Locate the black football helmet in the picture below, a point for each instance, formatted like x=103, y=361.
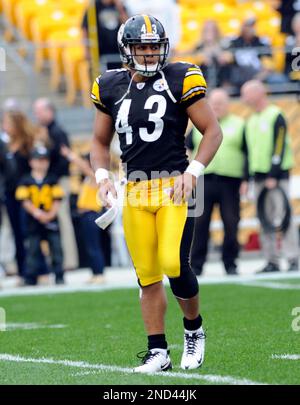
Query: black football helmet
x=143, y=29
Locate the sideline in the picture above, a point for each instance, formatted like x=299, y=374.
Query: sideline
x=130, y=282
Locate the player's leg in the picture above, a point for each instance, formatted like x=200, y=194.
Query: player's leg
x=175, y=230
x=141, y=238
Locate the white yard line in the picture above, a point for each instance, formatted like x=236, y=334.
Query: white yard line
x=217, y=379
x=286, y=356
x=30, y=326
x=272, y=285
x=238, y=280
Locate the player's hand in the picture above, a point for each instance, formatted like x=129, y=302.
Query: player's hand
x=106, y=186
x=270, y=183
x=183, y=187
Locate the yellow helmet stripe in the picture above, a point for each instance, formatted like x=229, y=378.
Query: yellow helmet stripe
x=148, y=24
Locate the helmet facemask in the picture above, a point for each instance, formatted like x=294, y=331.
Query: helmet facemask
x=129, y=53
x=149, y=69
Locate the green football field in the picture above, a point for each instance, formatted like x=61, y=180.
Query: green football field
x=253, y=337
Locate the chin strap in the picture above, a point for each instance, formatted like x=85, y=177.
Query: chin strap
x=168, y=90
x=128, y=89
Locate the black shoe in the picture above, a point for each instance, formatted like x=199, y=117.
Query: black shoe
x=59, y=281
x=28, y=281
x=294, y=265
x=269, y=268
x=231, y=271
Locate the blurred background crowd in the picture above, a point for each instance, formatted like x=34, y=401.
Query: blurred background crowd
x=53, y=50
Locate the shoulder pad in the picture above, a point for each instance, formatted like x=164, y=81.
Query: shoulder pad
x=102, y=87
x=188, y=79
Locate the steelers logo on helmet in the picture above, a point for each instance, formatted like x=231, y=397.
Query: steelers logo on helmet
x=143, y=30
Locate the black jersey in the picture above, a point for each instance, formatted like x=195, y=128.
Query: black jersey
x=150, y=117
x=42, y=194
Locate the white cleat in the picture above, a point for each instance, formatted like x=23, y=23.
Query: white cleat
x=154, y=361
x=194, y=347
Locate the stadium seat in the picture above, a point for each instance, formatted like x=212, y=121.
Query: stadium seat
x=268, y=27
x=217, y=11
x=257, y=9
x=42, y=26
x=25, y=11
x=76, y=75
x=230, y=27
x=85, y=83
x=58, y=41
x=8, y=8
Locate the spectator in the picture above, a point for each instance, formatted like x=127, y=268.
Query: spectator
x=252, y=57
x=222, y=181
x=40, y=196
x=292, y=42
x=45, y=113
x=20, y=133
x=90, y=210
x=287, y=9
x=3, y=160
x=212, y=57
x=6, y=168
x=270, y=160
x=110, y=15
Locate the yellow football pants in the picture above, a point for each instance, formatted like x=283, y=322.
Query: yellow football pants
x=154, y=229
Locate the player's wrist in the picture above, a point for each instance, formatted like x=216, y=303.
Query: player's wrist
x=195, y=168
x=101, y=175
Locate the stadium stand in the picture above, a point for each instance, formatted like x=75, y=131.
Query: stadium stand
x=51, y=26
x=53, y=29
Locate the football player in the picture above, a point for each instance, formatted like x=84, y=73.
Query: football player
x=148, y=103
